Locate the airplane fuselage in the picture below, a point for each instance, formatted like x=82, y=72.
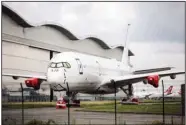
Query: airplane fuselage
x=83, y=73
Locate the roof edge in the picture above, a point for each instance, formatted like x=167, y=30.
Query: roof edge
x=22, y=22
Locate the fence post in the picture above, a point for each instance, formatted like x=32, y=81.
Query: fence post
x=113, y=82
x=183, y=102
x=22, y=104
x=172, y=120
x=68, y=104
x=115, y=104
x=163, y=103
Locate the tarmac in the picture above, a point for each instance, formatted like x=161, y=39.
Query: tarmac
x=60, y=116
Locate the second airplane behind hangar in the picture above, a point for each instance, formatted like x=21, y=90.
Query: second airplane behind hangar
x=81, y=73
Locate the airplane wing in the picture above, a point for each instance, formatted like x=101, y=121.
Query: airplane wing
x=152, y=70
x=16, y=76
x=131, y=79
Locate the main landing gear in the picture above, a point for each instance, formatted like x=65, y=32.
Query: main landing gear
x=128, y=90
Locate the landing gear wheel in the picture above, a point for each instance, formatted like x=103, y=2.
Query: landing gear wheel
x=73, y=101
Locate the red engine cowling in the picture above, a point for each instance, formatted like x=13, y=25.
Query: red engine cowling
x=153, y=80
x=33, y=82
x=135, y=100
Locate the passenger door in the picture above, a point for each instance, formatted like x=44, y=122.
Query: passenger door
x=80, y=66
x=99, y=68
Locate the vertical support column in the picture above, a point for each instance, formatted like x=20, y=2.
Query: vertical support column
x=130, y=88
x=51, y=90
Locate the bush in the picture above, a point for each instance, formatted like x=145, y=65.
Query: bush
x=39, y=122
x=35, y=122
x=8, y=121
x=11, y=121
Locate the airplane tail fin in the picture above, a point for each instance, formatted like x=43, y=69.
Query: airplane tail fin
x=125, y=55
x=169, y=90
x=179, y=92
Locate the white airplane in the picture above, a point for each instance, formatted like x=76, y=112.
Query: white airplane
x=81, y=73
x=158, y=95
x=143, y=94
x=175, y=94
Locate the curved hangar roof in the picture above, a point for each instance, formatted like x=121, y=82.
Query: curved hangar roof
x=20, y=21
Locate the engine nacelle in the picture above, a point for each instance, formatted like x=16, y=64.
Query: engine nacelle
x=134, y=100
x=173, y=76
x=152, y=80
x=145, y=81
x=33, y=82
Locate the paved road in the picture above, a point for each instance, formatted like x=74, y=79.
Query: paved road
x=61, y=116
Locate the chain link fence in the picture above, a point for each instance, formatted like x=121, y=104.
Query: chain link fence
x=35, y=109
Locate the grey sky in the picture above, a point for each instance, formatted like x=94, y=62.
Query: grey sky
x=156, y=34
x=151, y=21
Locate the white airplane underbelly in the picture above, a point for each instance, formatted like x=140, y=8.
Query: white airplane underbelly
x=75, y=83
x=81, y=83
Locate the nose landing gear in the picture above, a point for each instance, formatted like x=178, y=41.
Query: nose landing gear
x=73, y=101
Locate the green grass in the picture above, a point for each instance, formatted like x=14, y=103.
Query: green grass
x=159, y=101
x=97, y=103
x=153, y=108
x=106, y=106
x=18, y=105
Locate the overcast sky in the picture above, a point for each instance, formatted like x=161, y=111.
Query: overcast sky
x=156, y=35
x=150, y=21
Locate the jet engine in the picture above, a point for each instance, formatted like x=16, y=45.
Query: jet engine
x=173, y=76
x=33, y=82
x=152, y=80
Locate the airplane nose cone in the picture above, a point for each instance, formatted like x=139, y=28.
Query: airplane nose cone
x=57, y=79
x=55, y=76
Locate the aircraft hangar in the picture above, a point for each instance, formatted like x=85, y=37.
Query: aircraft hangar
x=27, y=49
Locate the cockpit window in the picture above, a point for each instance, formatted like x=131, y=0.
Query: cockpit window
x=65, y=64
x=59, y=65
x=68, y=65
x=53, y=65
